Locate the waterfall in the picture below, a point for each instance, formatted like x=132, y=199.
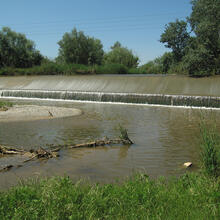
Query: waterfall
x=136, y=98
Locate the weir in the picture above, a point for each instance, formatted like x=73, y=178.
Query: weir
x=158, y=90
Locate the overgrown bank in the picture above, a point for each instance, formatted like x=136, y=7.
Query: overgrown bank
x=53, y=68
x=192, y=196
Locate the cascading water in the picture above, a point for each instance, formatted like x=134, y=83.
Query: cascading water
x=156, y=99
x=158, y=90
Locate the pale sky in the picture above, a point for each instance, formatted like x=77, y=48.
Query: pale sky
x=137, y=24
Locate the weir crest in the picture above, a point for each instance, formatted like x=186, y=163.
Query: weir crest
x=136, y=98
x=138, y=89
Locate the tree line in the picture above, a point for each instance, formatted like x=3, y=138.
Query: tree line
x=16, y=51
x=194, y=44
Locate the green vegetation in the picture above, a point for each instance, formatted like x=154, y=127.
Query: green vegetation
x=54, y=68
x=77, y=48
x=192, y=196
x=197, y=55
x=17, y=51
x=121, y=55
x=210, y=154
x=195, y=52
x=5, y=104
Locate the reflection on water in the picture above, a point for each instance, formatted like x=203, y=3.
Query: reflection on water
x=164, y=139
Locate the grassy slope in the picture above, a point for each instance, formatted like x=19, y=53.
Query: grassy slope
x=193, y=196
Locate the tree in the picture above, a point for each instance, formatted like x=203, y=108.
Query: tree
x=16, y=50
x=205, y=23
x=176, y=37
x=199, y=61
x=75, y=47
x=116, y=45
x=121, y=55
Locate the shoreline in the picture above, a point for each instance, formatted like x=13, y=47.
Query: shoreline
x=34, y=112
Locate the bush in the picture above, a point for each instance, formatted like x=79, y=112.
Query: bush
x=152, y=67
x=121, y=55
x=210, y=149
x=111, y=69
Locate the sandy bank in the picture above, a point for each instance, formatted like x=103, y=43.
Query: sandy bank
x=33, y=112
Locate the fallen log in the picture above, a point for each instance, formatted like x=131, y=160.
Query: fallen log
x=42, y=153
x=3, y=109
x=10, y=150
x=6, y=168
x=103, y=142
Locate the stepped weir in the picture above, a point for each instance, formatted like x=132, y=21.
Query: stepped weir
x=157, y=90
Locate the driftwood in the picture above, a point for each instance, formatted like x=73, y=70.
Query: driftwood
x=103, y=142
x=10, y=150
x=6, y=168
x=41, y=153
x=123, y=139
x=3, y=109
x=32, y=154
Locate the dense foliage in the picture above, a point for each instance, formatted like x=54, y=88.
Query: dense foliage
x=192, y=196
x=16, y=50
x=176, y=37
x=77, y=48
x=121, y=55
x=54, y=68
x=197, y=55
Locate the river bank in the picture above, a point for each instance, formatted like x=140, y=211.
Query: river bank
x=192, y=196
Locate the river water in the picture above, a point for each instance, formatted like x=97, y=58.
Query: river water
x=164, y=138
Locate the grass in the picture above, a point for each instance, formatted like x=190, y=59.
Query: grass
x=210, y=152
x=192, y=196
x=5, y=104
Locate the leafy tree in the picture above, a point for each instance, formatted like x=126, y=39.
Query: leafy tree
x=76, y=47
x=152, y=67
x=166, y=61
x=121, y=55
x=116, y=45
x=205, y=23
x=199, y=61
x=16, y=50
x=176, y=37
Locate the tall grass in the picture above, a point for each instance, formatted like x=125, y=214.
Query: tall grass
x=192, y=196
x=210, y=149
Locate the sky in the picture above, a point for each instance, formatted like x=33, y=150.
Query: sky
x=136, y=24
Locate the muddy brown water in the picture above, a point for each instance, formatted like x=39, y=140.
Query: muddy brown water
x=164, y=137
